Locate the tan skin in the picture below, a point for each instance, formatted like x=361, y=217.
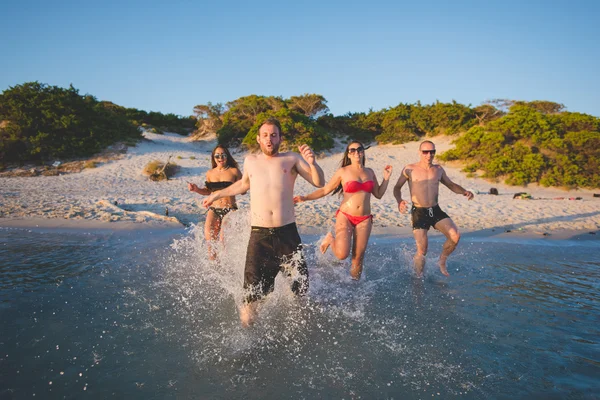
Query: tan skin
x=212, y=225
x=270, y=177
x=356, y=204
x=424, y=179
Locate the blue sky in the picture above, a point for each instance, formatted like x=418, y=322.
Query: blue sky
x=169, y=56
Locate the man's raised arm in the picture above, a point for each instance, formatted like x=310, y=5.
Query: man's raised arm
x=308, y=168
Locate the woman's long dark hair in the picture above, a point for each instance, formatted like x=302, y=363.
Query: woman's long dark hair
x=230, y=161
x=346, y=161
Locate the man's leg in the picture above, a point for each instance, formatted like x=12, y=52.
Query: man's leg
x=248, y=313
x=449, y=229
x=421, y=241
x=259, y=274
x=293, y=263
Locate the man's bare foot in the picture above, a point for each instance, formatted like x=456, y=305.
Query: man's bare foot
x=443, y=268
x=326, y=242
x=419, y=265
x=247, y=315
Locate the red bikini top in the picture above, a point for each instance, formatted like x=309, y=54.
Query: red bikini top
x=356, y=186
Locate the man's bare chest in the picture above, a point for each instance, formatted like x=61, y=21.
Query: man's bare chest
x=421, y=175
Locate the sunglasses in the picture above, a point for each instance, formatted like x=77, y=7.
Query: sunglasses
x=221, y=156
x=432, y=152
x=356, y=150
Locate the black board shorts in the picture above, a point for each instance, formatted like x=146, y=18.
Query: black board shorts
x=270, y=251
x=426, y=217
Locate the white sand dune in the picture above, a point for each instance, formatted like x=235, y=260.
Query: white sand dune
x=118, y=191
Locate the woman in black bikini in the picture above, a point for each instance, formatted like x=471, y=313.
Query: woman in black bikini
x=353, y=218
x=224, y=172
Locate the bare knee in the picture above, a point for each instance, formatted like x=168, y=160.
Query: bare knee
x=342, y=254
x=454, y=236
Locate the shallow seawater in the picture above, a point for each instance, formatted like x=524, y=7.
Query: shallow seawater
x=145, y=314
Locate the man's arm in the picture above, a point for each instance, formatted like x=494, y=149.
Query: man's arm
x=308, y=168
x=324, y=191
x=398, y=190
x=238, y=187
x=398, y=186
x=455, y=187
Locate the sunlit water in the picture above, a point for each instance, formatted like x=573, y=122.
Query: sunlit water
x=145, y=314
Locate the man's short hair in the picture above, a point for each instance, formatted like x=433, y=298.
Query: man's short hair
x=426, y=141
x=272, y=121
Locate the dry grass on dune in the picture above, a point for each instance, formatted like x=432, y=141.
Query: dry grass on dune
x=157, y=170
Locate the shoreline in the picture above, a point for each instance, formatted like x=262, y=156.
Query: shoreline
x=399, y=232
x=84, y=225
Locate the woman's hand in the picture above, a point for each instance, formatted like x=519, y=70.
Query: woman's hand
x=387, y=172
x=299, y=199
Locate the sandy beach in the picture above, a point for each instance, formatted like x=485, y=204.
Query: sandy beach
x=116, y=195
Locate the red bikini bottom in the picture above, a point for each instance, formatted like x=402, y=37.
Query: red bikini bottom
x=354, y=219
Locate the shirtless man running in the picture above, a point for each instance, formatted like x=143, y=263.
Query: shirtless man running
x=424, y=182
x=274, y=239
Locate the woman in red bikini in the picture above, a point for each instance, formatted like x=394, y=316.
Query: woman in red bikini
x=224, y=172
x=353, y=218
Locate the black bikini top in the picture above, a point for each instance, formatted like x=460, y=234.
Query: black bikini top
x=214, y=186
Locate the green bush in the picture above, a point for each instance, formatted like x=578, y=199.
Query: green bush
x=42, y=122
x=359, y=126
x=163, y=122
x=297, y=129
x=535, y=143
x=473, y=167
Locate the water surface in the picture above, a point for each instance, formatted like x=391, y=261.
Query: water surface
x=144, y=314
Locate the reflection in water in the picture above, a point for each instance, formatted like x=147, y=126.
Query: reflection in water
x=146, y=314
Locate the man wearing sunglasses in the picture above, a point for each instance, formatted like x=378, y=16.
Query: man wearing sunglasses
x=424, y=179
x=274, y=244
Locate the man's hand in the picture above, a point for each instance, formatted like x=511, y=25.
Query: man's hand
x=208, y=201
x=307, y=154
x=402, y=207
x=468, y=194
x=387, y=172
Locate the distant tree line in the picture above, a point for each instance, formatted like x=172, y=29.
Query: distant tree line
x=516, y=141
x=159, y=121
x=237, y=122
x=39, y=122
x=306, y=120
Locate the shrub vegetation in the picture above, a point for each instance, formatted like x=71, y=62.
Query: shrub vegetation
x=39, y=122
x=534, y=142
x=520, y=142
x=158, y=170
